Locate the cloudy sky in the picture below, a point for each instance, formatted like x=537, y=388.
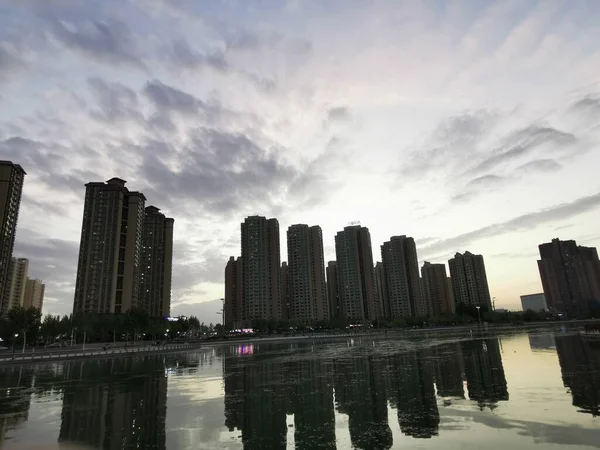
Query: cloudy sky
x=469, y=125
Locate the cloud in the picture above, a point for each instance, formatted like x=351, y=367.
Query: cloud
x=540, y=165
x=486, y=181
x=520, y=223
x=452, y=144
x=10, y=61
x=115, y=100
x=42, y=155
x=181, y=55
x=221, y=171
x=588, y=104
x=169, y=98
x=106, y=41
x=525, y=141
x=338, y=113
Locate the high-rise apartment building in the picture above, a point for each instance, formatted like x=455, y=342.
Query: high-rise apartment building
x=233, y=293
x=157, y=263
x=307, y=287
x=285, y=291
x=16, y=283
x=570, y=277
x=110, y=252
x=356, y=274
x=34, y=294
x=12, y=177
x=384, y=305
x=333, y=297
x=402, y=279
x=436, y=288
x=469, y=280
x=261, y=270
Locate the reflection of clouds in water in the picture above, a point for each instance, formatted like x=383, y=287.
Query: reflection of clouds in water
x=550, y=433
x=198, y=424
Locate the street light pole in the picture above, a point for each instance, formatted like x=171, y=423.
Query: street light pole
x=493, y=303
x=479, y=315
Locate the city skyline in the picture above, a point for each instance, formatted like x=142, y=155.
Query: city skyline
x=487, y=144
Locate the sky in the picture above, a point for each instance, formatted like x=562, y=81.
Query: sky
x=468, y=125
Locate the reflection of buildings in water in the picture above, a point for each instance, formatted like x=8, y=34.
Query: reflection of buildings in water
x=413, y=394
x=541, y=341
x=314, y=415
x=448, y=370
x=360, y=393
x=486, y=381
x=254, y=402
x=580, y=366
x=15, y=398
x=114, y=404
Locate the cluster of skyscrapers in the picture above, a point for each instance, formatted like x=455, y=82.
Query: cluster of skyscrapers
x=16, y=288
x=303, y=290
x=125, y=254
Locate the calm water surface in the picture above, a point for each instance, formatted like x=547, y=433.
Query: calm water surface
x=529, y=391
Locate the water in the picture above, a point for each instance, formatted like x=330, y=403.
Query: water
x=527, y=391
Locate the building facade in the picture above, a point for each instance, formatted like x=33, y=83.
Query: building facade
x=285, y=291
x=333, y=297
x=357, y=288
x=402, y=279
x=12, y=177
x=384, y=304
x=34, y=294
x=157, y=263
x=534, y=302
x=570, y=276
x=16, y=283
x=469, y=280
x=233, y=293
x=110, y=252
x=437, y=288
x=307, y=287
x=261, y=269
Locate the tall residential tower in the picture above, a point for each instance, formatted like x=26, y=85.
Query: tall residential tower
x=110, y=252
x=157, y=262
x=469, y=280
x=436, y=288
x=356, y=274
x=16, y=282
x=570, y=276
x=261, y=269
x=402, y=280
x=12, y=177
x=307, y=287
x=233, y=293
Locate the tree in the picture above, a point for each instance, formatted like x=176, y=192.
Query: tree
x=25, y=321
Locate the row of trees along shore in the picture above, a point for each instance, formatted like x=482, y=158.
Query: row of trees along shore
x=27, y=327
x=464, y=315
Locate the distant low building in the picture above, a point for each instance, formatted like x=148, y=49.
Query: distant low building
x=534, y=302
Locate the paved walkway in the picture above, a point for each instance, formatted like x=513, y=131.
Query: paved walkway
x=81, y=353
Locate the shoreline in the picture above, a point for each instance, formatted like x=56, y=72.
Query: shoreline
x=8, y=359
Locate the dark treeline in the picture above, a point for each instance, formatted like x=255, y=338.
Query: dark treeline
x=27, y=326
x=464, y=315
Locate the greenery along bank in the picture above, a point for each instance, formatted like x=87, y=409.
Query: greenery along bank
x=21, y=326
x=26, y=326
